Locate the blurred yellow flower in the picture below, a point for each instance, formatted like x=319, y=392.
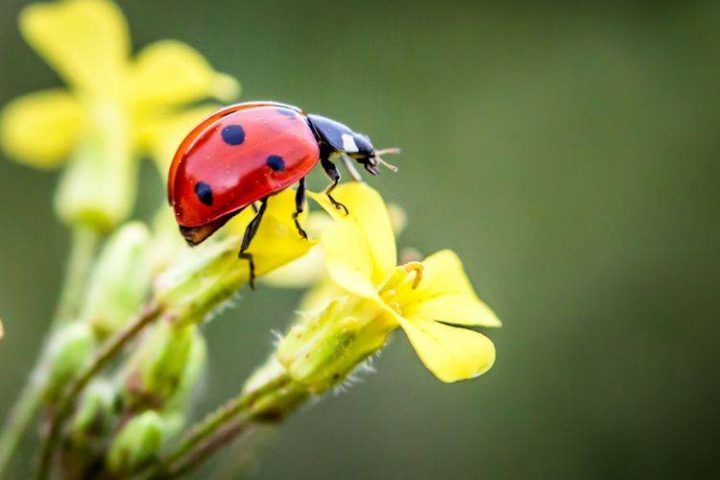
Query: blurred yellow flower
x=116, y=109
x=423, y=298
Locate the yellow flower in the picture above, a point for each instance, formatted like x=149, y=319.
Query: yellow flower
x=432, y=301
x=116, y=109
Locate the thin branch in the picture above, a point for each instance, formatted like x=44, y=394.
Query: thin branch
x=204, y=451
x=217, y=428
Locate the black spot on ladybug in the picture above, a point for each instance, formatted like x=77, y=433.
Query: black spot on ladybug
x=275, y=162
x=204, y=193
x=287, y=112
x=233, y=135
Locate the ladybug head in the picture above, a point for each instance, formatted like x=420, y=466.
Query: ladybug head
x=369, y=158
x=355, y=145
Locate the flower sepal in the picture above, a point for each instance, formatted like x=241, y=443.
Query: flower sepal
x=320, y=351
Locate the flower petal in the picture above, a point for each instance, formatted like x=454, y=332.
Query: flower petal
x=445, y=294
x=450, y=353
x=348, y=258
x=41, y=129
x=170, y=72
x=86, y=41
x=299, y=273
x=277, y=240
x=455, y=309
x=370, y=216
x=308, y=269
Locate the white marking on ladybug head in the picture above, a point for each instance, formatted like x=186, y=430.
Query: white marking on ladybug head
x=349, y=144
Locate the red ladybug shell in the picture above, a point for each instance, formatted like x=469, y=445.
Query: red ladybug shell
x=237, y=156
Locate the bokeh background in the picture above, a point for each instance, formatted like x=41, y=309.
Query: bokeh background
x=569, y=154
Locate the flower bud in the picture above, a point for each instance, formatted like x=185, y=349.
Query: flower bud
x=69, y=352
x=203, y=280
x=120, y=280
x=97, y=188
x=137, y=443
x=91, y=422
x=320, y=351
x=165, y=368
x=94, y=411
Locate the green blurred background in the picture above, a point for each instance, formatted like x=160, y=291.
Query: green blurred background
x=568, y=153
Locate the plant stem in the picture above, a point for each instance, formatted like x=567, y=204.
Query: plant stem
x=204, y=451
x=106, y=353
x=216, y=429
x=82, y=253
x=84, y=244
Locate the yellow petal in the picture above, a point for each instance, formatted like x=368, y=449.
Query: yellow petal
x=170, y=72
x=450, y=353
x=41, y=128
x=308, y=269
x=299, y=273
x=370, y=215
x=161, y=134
x=445, y=294
x=86, y=41
x=348, y=258
x=277, y=241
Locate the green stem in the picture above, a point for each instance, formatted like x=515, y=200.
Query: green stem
x=106, y=353
x=242, y=427
x=82, y=252
x=219, y=427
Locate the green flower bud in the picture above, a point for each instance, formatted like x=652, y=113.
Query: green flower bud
x=69, y=352
x=137, y=444
x=97, y=189
x=320, y=351
x=94, y=412
x=165, y=368
x=207, y=277
x=91, y=422
x=120, y=280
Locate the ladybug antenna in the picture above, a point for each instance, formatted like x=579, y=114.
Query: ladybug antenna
x=387, y=151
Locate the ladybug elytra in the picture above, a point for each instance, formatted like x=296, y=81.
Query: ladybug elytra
x=247, y=152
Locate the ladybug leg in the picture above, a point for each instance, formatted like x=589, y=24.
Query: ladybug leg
x=332, y=171
x=299, y=207
x=250, y=232
x=351, y=168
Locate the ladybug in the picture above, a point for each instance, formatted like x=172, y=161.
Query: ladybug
x=245, y=153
